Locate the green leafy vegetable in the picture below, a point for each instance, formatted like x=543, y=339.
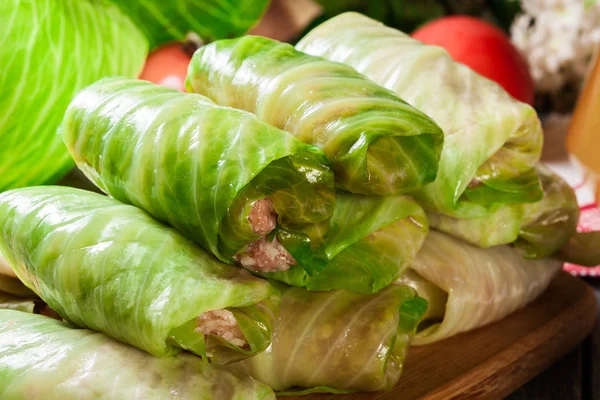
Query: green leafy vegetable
x=376, y=143
x=402, y=14
x=372, y=241
x=583, y=248
x=110, y=267
x=50, y=50
x=489, y=189
x=551, y=222
x=338, y=341
x=407, y=15
x=45, y=359
x=498, y=227
x=200, y=167
x=492, y=142
x=468, y=287
x=540, y=229
x=164, y=21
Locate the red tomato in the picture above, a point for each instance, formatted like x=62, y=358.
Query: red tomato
x=167, y=66
x=484, y=48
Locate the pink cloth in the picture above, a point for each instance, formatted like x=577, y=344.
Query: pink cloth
x=584, y=185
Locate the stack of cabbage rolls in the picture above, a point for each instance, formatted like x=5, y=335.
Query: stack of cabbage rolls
x=292, y=224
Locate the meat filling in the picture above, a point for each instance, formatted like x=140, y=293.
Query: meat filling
x=263, y=217
x=264, y=256
x=221, y=323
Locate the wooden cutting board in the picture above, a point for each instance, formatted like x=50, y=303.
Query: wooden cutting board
x=493, y=361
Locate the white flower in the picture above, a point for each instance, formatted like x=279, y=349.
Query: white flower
x=558, y=38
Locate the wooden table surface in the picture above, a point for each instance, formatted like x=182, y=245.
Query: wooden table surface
x=574, y=377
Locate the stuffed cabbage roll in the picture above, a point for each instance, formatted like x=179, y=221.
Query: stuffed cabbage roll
x=107, y=266
x=492, y=142
x=540, y=229
x=376, y=142
x=468, y=287
x=45, y=359
x=242, y=189
x=338, y=341
x=371, y=242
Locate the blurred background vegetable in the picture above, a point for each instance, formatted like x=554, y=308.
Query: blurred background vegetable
x=168, y=65
x=168, y=20
x=49, y=50
x=484, y=48
x=407, y=15
x=556, y=38
x=52, y=49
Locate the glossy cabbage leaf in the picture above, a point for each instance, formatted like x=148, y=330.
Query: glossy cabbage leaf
x=401, y=14
x=371, y=242
x=338, y=341
x=583, y=248
x=45, y=359
x=202, y=168
x=110, y=267
x=539, y=229
x=50, y=50
x=550, y=223
x=492, y=142
x=468, y=287
x=376, y=142
x=169, y=20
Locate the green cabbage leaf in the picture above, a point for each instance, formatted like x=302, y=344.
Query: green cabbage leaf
x=163, y=21
x=110, y=267
x=46, y=359
x=338, y=341
x=468, y=287
x=50, y=50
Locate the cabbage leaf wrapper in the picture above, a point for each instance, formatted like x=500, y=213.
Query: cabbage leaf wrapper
x=492, y=142
x=490, y=189
x=468, y=287
x=540, y=229
x=371, y=242
x=242, y=189
x=45, y=359
x=50, y=50
x=338, y=341
x=110, y=267
x=375, y=141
